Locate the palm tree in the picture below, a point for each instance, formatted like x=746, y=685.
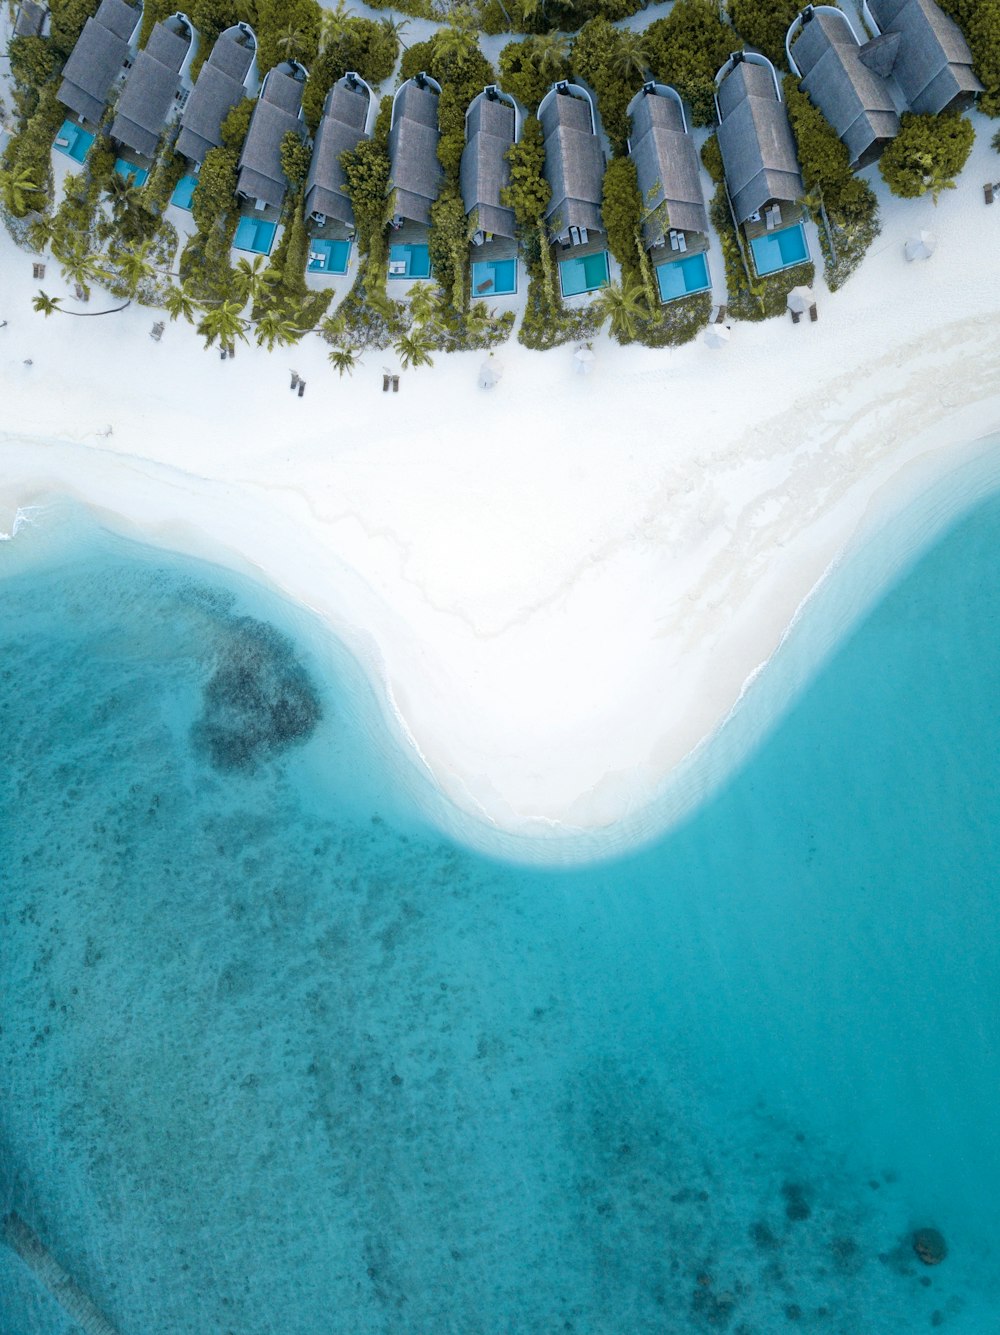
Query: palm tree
x=80, y=267
x=41, y=231
x=252, y=277
x=549, y=54
x=45, y=304
x=331, y=25
x=457, y=39
x=414, y=349
x=395, y=29
x=630, y=58
x=178, y=302
x=423, y=303
x=292, y=40
x=276, y=326
x=16, y=189
x=223, y=322
x=134, y=267
x=344, y=360
x=624, y=307
x=122, y=192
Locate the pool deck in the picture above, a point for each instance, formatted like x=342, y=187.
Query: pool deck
x=790, y=215
x=696, y=243
x=493, y=252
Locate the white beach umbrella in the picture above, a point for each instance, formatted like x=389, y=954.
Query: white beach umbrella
x=583, y=358
x=717, y=336
x=490, y=372
x=920, y=247
x=800, y=299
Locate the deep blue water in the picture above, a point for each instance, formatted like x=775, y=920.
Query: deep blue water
x=277, y=1057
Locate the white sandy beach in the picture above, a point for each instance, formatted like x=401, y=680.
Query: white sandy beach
x=564, y=583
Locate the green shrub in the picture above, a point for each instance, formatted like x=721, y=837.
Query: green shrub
x=30, y=152
x=765, y=25
x=621, y=209
x=287, y=30
x=68, y=18
x=295, y=158
x=529, y=68
x=367, y=46
x=927, y=154
x=711, y=157
x=687, y=49
x=980, y=20
x=596, y=58
x=528, y=192
x=32, y=61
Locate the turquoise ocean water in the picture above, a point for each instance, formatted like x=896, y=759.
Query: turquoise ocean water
x=277, y=1058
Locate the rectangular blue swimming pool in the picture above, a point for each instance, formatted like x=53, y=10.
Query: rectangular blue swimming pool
x=255, y=235
x=679, y=278
x=73, y=140
x=779, y=250
x=328, y=256
x=583, y=275
x=184, y=192
x=133, y=174
x=494, y=278
x=409, y=261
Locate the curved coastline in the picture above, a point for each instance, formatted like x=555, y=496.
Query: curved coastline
x=565, y=590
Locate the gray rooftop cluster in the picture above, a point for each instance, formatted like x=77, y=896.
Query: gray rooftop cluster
x=98, y=58
x=344, y=125
x=415, y=174
x=490, y=130
x=919, y=61
x=278, y=111
x=925, y=53
x=153, y=83
x=666, y=164
x=758, y=150
x=574, y=161
x=221, y=85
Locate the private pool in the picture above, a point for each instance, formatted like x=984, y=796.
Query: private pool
x=256, y=235
x=494, y=278
x=779, y=250
x=583, y=275
x=184, y=192
x=679, y=278
x=409, y=261
x=133, y=174
x=73, y=140
x=328, y=256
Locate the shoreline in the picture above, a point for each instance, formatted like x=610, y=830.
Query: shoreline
x=565, y=585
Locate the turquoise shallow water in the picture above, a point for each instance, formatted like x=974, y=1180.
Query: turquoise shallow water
x=277, y=1057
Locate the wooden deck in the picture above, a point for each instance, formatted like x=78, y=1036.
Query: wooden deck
x=790, y=215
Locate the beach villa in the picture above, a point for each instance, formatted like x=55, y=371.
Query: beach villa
x=830, y=61
x=260, y=180
x=492, y=126
x=762, y=173
x=229, y=75
x=155, y=90
x=668, y=170
x=415, y=174
x=347, y=116
x=574, y=169
x=924, y=52
x=103, y=52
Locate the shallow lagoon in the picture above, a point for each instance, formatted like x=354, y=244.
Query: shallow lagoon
x=277, y=1057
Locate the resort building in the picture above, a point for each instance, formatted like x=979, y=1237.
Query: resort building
x=260, y=178
x=347, y=114
x=229, y=75
x=32, y=20
x=758, y=157
x=492, y=126
x=668, y=171
x=102, y=53
x=574, y=169
x=828, y=57
x=156, y=86
x=923, y=51
x=415, y=174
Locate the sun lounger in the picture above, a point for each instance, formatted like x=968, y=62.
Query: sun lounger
x=62, y=143
x=988, y=192
x=385, y=384
x=719, y=314
x=395, y=384
x=796, y=316
x=769, y=221
x=813, y=313
x=485, y=285
x=681, y=241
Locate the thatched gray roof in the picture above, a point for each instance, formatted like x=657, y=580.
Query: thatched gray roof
x=414, y=171
x=758, y=151
x=485, y=171
x=148, y=96
x=345, y=115
x=574, y=165
x=219, y=88
x=667, y=167
x=30, y=19
x=97, y=59
x=933, y=64
x=260, y=175
x=856, y=102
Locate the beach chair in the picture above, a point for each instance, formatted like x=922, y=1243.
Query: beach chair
x=385, y=383
x=813, y=313
x=395, y=384
x=796, y=316
x=682, y=244
x=302, y=388
x=38, y=271
x=769, y=221
x=988, y=192
x=62, y=143
x=721, y=313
